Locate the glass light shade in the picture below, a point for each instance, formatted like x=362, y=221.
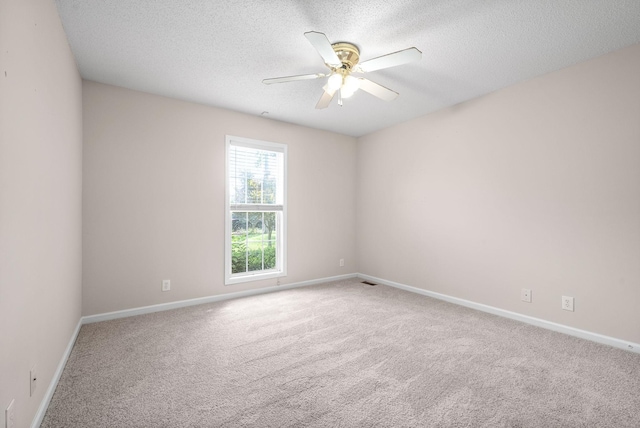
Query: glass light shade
x=350, y=86
x=334, y=82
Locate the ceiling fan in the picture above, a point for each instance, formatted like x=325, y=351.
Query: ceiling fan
x=342, y=59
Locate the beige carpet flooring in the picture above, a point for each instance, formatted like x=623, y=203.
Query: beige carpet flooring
x=340, y=354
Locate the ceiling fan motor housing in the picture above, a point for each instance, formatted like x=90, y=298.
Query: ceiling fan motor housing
x=348, y=53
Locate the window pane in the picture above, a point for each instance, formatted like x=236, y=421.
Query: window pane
x=254, y=191
x=269, y=190
x=270, y=255
x=255, y=223
x=238, y=190
x=255, y=175
x=238, y=221
x=238, y=255
x=270, y=224
x=254, y=241
x=255, y=260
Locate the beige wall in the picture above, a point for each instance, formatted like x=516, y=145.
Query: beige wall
x=40, y=206
x=534, y=186
x=153, y=198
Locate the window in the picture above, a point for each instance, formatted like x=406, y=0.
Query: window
x=255, y=210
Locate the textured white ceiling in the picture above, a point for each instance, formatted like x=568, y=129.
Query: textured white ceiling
x=218, y=52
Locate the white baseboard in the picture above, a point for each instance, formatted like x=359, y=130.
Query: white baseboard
x=209, y=299
x=571, y=331
x=48, y=395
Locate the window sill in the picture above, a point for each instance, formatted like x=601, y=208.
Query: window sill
x=255, y=277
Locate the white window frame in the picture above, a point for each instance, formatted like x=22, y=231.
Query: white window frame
x=281, y=227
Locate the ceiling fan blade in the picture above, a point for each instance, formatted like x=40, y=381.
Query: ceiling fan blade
x=377, y=90
x=326, y=98
x=390, y=60
x=323, y=46
x=293, y=78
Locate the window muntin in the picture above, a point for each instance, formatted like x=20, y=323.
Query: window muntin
x=255, y=215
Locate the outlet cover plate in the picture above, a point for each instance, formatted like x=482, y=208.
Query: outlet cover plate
x=166, y=284
x=525, y=295
x=567, y=303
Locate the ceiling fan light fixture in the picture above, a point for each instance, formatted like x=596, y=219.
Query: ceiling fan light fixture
x=350, y=86
x=334, y=82
x=346, y=94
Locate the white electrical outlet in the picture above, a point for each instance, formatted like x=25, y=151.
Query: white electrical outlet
x=10, y=416
x=525, y=295
x=567, y=303
x=166, y=284
x=33, y=380
x=341, y=262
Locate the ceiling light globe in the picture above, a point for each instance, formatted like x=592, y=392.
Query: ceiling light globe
x=351, y=85
x=346, y=93
x=334, y=82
